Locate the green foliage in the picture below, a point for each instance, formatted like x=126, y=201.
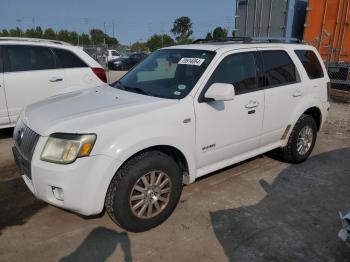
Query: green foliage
x=158, y=41
x=97, y=35
x=139, y=47
x=219, y=33
x=182, y=29
x=209, y=36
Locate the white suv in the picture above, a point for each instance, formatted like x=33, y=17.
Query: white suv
x=183, y=112
x=34, y=69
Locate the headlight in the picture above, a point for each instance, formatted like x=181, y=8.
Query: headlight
x=66, y=148
x=117, y=62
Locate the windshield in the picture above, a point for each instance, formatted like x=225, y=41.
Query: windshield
x=167, y=73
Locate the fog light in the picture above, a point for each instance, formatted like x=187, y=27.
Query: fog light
x=58, y=193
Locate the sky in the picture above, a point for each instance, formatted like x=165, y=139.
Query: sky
x=134, y=20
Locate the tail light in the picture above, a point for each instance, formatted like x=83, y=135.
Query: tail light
x=100, y=73
x=329, y=91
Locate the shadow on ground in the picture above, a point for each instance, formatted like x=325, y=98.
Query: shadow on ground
x=6, y=133
x=297, y=220
x=17, y=203
x=99, y=245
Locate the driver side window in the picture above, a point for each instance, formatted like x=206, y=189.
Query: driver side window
x=239, y=70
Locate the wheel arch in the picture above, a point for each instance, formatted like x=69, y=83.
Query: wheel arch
x=312, y=109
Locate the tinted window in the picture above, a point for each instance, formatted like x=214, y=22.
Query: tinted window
x=68, y=60
x=114, y=53
x=279, y=68
x=239, y=70
x=311, y=63
x=25, y=58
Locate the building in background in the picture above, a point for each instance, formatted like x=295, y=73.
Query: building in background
x=270, y=18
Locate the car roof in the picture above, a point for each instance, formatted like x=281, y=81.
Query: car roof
x=33, y=41
x=227, y=46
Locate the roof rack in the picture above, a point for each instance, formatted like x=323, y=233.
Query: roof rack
x=225, y=39
x=246, y=40
x=39, y=40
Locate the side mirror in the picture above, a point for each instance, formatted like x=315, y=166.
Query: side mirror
x=220, y=92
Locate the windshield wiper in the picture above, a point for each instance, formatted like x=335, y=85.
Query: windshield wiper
x=132, y=89
x=136, y=90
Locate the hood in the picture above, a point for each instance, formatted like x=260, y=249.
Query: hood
x=81, y=111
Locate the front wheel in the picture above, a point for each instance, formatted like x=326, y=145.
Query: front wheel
x=144, y=192
x=301, y=141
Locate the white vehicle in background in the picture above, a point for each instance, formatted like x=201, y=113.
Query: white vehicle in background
x=34, y=69
x=183, y=112
x=112, y=54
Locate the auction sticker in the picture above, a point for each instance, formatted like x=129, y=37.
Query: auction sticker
x=191, y=61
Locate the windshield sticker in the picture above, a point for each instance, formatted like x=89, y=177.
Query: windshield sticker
x=191, y=61
x=181, y=87
x=177, y=93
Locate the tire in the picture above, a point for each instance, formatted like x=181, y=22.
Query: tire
x=290, y=152
x=130, y=178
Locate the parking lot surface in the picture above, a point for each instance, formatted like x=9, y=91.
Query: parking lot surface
x=259, y=210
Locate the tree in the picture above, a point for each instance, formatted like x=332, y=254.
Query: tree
x=38, y=32
x=139, y=47
x=49, y=33
x=85, y=39
x=15, y=32
x=182, y=29
x=209, y=36
x=5, y=33
x=159, y=41
x=219, y=33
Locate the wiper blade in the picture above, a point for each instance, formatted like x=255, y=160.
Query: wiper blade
x=137, y=90
x=132, y=89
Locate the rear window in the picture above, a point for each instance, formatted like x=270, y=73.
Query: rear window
x=27, y=58
x=68, y=60
x=311, y=63
x=279, y=68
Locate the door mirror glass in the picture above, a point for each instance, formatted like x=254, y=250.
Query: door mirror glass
x=220, y=92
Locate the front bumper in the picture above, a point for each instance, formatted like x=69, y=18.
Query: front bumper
x=84, y=183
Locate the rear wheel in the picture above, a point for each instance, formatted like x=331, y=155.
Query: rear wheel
x=144, y=192
x=301, y=141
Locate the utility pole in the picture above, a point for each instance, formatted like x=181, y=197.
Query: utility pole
x=113, y=30
x=19, y=21
x=104, y=36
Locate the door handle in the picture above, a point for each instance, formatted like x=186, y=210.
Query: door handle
x=55, y=79
x=297, y=93
x=252, y=104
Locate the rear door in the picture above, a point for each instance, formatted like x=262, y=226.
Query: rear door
x=4, y=119
x=283, y=91
x=30, y=75
x=78, y=73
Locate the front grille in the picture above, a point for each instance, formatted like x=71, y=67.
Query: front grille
x=25, y=143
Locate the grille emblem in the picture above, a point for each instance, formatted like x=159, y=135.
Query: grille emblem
x=20, y=136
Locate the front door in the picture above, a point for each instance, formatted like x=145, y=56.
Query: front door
x=226, y=129
x=30, y=75
x=4, y=119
